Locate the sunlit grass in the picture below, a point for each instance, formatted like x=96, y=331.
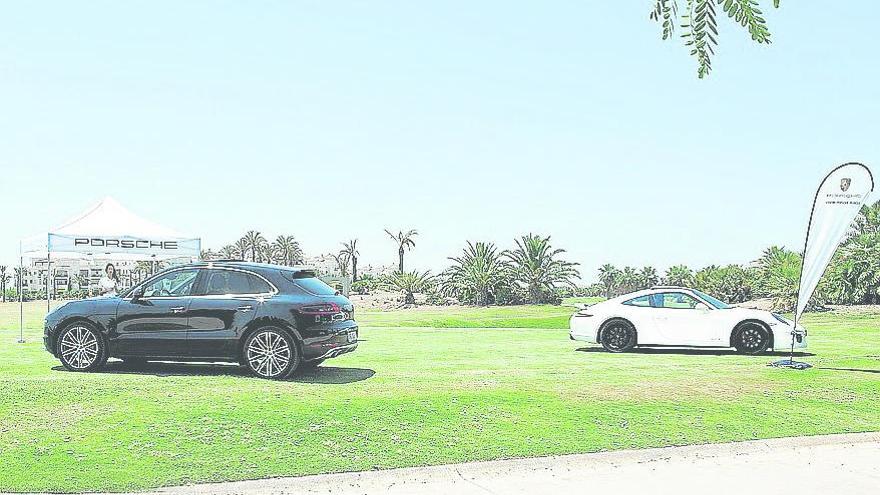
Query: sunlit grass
x=417, y=391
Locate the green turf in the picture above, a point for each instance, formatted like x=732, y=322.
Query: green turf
x=414, y=396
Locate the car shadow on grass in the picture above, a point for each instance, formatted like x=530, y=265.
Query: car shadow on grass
x=695, y=351
x=322, y=375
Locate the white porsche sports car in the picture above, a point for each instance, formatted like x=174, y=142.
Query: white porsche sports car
x=678, y=316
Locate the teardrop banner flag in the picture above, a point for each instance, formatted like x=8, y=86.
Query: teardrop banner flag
x=839, y=199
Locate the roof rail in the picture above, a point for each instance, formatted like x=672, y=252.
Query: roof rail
x=224, y=261
x=670, y=287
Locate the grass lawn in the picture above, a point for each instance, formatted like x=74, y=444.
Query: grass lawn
x=425, y=387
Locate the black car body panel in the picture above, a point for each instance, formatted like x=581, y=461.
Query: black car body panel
x=212, y=320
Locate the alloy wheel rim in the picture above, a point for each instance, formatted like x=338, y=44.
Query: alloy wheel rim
x=79, y=347
x=618, y=337
x=752, y=338
x=268, y=354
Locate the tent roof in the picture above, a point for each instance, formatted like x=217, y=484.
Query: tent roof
x=109, y=218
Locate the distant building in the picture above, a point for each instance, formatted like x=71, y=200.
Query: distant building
x=77, y=274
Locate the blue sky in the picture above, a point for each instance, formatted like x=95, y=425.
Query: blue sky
x=465, y=120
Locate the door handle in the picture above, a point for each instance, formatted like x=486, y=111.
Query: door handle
x=245, y=309
x=178, y=309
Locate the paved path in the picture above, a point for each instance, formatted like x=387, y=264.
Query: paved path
x=834, y=464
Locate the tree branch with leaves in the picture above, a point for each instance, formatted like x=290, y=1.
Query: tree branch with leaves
x=700, y=26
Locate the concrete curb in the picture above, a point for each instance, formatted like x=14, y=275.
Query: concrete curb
x=472, y=473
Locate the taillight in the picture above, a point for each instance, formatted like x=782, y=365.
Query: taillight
x=326, y=309
x=324, y=313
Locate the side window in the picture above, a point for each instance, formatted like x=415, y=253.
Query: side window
x=676, y=300
x=174, y=284
x=642, y=302
x=224, y=282
x=258, y=285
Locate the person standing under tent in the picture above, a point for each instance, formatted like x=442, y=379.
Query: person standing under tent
x=109, y=283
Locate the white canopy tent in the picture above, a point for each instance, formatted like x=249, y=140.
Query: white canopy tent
x=106, y=230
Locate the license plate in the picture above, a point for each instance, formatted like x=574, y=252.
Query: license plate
x=352, y=336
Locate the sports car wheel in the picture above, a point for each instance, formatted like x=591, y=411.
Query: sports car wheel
x=271, y=353
x=751, y=338
x=618, y=336
x=81, y=347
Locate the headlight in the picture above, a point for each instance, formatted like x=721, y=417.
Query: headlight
x=782, y=319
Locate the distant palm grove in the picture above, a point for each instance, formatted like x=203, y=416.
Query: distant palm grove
x=853, y=277
x=532, y=271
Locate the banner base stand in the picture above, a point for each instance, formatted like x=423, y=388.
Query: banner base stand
x=791, y=364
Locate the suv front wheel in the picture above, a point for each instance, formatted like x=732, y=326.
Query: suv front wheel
x=81, y=348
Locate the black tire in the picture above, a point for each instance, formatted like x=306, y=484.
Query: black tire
x=271, y=353
x=618, y=336
x=81, y=347
x=751, y=338
x=312, y=364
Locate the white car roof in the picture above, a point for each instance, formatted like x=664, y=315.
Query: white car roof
x=653, y=290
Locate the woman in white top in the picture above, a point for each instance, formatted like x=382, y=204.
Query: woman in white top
x=109, y=283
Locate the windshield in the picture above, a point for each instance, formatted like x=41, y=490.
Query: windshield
x=719, y=304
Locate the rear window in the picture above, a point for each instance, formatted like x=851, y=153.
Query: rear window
x=315, y=286
x=307, y=281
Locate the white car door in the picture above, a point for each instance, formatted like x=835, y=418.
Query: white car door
x=683, y=320
x=641, y=314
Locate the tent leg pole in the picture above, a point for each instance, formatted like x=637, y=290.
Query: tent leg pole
x=20, y=297
x=48, y=278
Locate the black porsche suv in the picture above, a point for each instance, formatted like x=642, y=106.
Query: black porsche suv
x=272, y=319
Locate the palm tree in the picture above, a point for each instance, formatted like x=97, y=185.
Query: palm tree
x=648, y=277
x=287, y=250
x=341, y=260
x=629, y=279
x=679, y=276
x=534, y=266
x=779, y=272
x=854, y=277
x=255, y=243
x=3, y=279
x=409, y=283
x=228, y=252
x=404, y=241
x=609, y=277
x=349, y=249
x=207, y=255
x=268, y=254
x=241, y=248
x=476, y=275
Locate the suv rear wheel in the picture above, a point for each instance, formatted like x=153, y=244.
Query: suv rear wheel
x=271, y=353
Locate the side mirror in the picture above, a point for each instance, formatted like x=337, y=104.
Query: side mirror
x=137, y=293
